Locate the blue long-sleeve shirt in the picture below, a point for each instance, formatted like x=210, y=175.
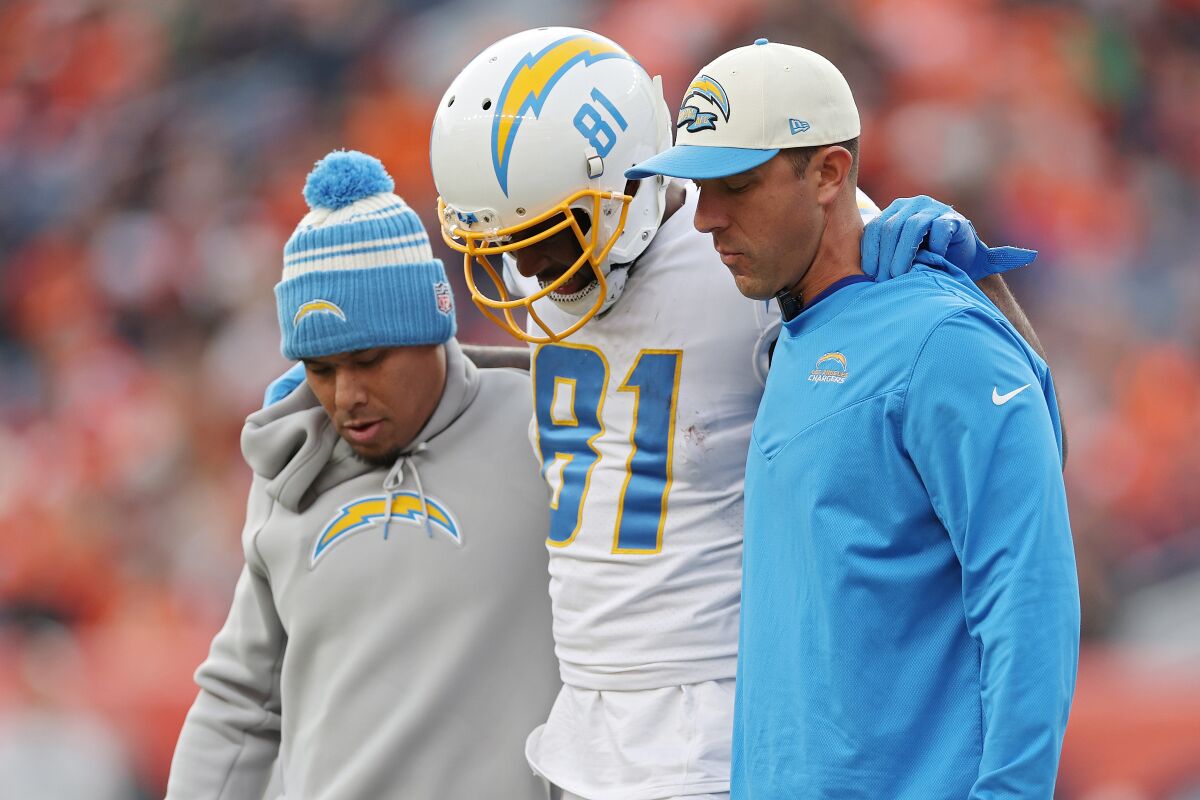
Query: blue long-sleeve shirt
x=910, y=606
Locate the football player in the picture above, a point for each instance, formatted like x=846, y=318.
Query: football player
x=647, y=369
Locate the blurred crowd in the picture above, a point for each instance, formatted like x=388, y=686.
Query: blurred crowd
x=152, y=154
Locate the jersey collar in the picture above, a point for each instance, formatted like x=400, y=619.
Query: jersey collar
x=828, y=304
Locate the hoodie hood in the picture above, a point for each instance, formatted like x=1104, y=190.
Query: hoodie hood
x=295, y=448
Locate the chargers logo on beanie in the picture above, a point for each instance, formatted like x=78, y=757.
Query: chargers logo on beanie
x=318, y=307
x=358, y=270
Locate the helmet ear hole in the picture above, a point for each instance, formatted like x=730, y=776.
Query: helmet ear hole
x=584, y=219
x=487, y=103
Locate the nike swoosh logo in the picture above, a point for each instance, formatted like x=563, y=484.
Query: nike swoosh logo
x=1001, y=399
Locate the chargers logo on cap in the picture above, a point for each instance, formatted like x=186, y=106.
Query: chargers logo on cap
x=696, y=120
x=318, y=307
x=529, y=85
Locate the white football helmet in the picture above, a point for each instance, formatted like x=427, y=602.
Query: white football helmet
x=540, y=125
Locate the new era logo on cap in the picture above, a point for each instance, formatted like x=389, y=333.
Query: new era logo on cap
x=797, y=126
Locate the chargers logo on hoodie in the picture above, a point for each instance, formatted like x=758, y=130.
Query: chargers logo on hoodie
x=360, y=514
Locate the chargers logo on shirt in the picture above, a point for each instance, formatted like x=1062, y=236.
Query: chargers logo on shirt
x=705, y=88
x=831, y=368
x=360, y=514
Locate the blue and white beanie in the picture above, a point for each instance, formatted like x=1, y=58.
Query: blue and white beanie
x=358, y=271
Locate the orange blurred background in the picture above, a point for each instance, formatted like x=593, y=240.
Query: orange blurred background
x=152, y=155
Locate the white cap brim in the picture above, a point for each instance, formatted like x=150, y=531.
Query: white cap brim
x=698, y=162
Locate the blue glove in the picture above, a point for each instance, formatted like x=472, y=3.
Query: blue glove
x=891, y=240
x=282, y=386
x=953, y=237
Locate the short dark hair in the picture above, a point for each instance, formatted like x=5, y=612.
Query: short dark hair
x=800, y=156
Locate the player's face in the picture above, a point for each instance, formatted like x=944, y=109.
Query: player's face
x=765, y=224
x=551, y=257
x=379, y=399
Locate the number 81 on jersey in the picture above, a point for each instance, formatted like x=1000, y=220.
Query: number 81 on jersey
x=570, y=383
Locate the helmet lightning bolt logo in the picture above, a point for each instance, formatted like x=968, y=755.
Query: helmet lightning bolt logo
x=364, y=512
x=696, y=120
x=529, y=85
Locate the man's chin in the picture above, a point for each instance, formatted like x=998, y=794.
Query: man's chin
x=752, y=288
x=377, y=458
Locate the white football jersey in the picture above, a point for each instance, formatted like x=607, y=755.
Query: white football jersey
x=642, y=420
x=642, y=423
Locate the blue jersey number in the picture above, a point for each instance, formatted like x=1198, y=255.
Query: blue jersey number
x=570, y=382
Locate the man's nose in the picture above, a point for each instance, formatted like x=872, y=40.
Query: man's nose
x=531, y=261
x=349, y=392
x=710, y=215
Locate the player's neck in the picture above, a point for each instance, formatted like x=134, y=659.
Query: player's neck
x=838, y=255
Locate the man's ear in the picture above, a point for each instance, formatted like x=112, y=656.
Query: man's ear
x=833, y=166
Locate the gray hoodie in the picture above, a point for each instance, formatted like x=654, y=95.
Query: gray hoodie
x=382, y=658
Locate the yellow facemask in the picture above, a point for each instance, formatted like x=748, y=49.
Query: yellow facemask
x=478, y=245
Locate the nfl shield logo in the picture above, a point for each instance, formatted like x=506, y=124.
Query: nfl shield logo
x=445, y=300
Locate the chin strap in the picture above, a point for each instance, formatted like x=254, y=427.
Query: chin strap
x=617, y=276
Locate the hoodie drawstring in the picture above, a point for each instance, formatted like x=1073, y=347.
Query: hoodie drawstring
x=391, y=483
x=395, y=479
